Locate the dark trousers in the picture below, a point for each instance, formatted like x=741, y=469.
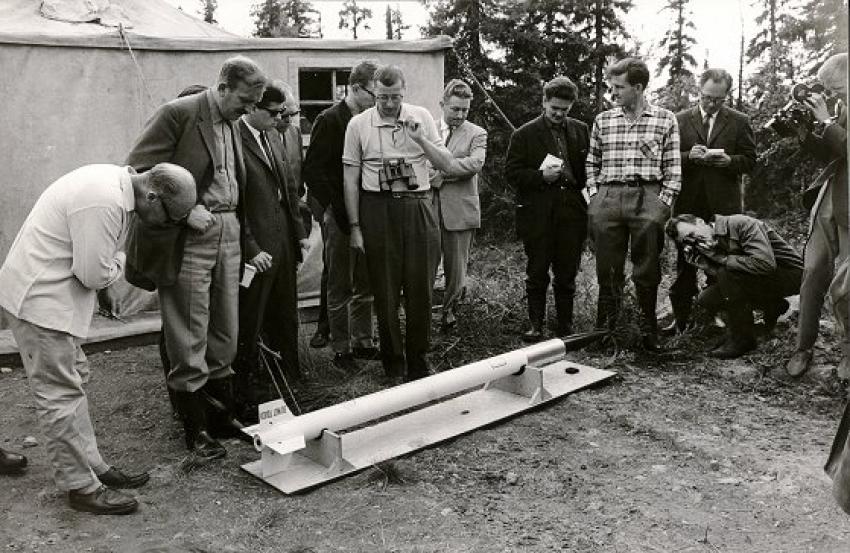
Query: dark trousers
x=555, y=243
x=402, y=242
x=322, y=325
x=269, y=307
x=621, y=217
x=738, y=293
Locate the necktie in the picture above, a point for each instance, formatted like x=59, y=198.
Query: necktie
x=449, y=136
x=268, y=150
x=706, y=126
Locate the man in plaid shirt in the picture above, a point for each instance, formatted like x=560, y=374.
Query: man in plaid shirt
x=633, y=177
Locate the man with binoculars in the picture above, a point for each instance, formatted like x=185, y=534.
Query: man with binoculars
x=827, y=241
x=392, y=217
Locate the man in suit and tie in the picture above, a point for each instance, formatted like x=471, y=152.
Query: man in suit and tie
x=269, y=304
x=200, y=309
x=545, y=161
x=456, y=193
x=717, y=145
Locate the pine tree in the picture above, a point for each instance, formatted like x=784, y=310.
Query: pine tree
x=207, y=10
x=678, y=60
x=397, y=23
x=352, y=16
x=283, y=18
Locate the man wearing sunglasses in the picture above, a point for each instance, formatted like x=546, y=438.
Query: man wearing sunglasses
x=717, y=146
x=69, y=247
x=200, y=305
x=274, y=248
x=828, y=226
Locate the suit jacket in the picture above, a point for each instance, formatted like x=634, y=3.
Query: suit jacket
x=528, y=148
x=181, y=132
x=718, y=185
x=831, y=148
x=293, y=156
x=458, y=197
x=270, y=203
x=323, y=163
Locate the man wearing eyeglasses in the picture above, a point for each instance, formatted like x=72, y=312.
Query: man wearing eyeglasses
x=274, y=247
x=200, y=307
x=69, y=247
x=392, y=218
x=717, y=146
x=349, y=297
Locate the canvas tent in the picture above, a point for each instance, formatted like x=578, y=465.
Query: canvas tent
x=79, y=92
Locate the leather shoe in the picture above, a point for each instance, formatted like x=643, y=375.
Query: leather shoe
x=102, y=501
x=346, y=362
x=799, y=362
x=367, y=353
x=732, y=349
x=117, y=479
x=206, y=447
x=650, y=343
x=11, y=463
x=318, y=340
x=535, y=334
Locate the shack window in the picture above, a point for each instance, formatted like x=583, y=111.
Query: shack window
x=319, y=89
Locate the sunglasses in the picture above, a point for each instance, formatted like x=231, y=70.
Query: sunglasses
x=273, y=112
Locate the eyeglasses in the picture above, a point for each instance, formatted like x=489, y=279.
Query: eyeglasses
x=273, y=112
x=712, y=99
x=388, y=97
x=290, y=114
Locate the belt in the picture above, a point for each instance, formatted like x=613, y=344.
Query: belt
x=422, y=194
x=633, y=183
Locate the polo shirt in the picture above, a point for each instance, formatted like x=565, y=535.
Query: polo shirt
x=369, y=138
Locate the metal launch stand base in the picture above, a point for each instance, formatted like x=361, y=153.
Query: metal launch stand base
x=334, y=455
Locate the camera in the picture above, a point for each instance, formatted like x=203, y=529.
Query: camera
x=397, y=170
x=691, y=243
x=795, y=114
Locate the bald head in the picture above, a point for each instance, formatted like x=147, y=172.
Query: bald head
x=165, y=194
x=833, y=73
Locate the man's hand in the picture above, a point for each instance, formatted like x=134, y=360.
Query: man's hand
x=817, y=105
x=200, y=219
x=356, y=240
x=551, y=173
x=262, y=261
x=697, y=152
x=717, y=160
x=710, y=253
x=414, y=129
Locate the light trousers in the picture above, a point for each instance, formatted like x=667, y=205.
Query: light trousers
x=200, y=312
x=57, y=370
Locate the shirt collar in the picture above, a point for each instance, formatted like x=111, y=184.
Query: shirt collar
x=378, y=121
x=703, y=113
x=254, y=131
x=127, y=192
x=215, y=111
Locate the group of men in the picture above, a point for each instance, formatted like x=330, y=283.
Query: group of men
x=211, y=196
x=210, y=199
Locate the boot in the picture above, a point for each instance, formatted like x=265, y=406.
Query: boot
x=740, y=338
x=607, y=312
x=221, y=408
x=193, y=411
x=647, y=299
x=166, y=368
x=11, y=463
x=536, y=313
x=564, y=307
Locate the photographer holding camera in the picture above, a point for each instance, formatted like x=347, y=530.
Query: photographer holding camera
x=392, y=217
x=827, y=243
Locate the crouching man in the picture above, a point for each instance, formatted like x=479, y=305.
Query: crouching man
x=68, y=248
x=754, y=268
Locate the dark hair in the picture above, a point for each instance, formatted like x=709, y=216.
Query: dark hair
x=716, y=75
x=635, y=69
x=275, y=93
x=560, y=87
x=241, y=69
x=363, y=72
x=670, y=225
x=389, y=75
x=191, y=90
x=459, y=88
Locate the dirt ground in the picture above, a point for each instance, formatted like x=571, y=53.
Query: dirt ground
x=676, y=453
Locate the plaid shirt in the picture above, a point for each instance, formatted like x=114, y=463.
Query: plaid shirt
x=647, y=149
